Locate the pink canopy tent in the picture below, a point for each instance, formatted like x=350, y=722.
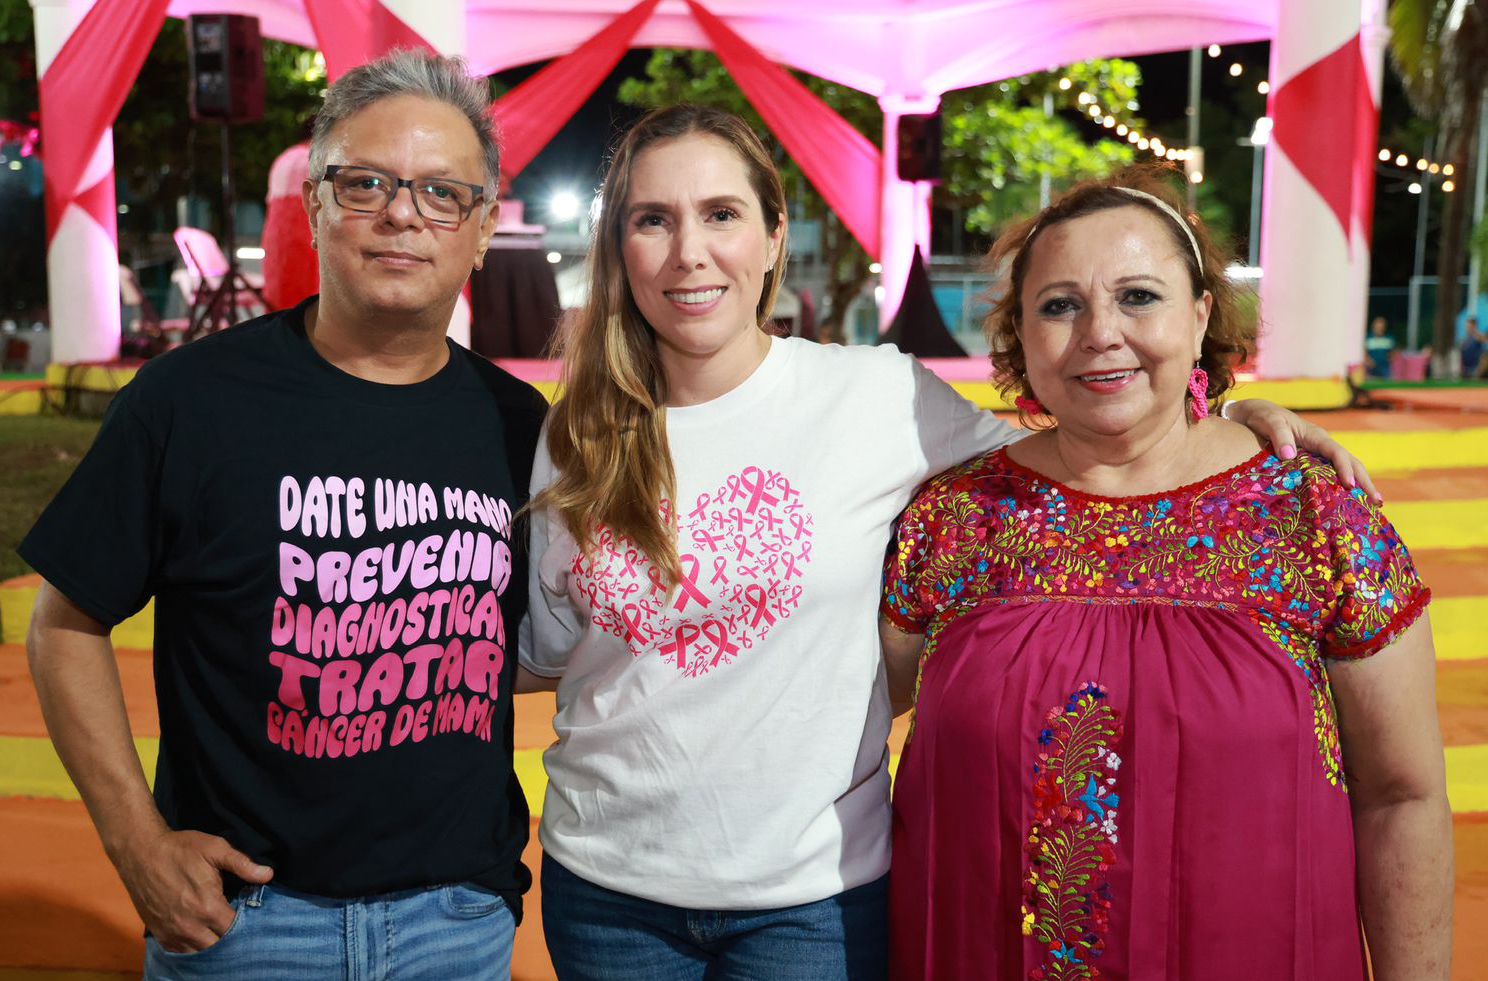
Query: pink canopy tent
x=1326, y=59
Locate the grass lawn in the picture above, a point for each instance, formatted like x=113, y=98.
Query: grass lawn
x=37, y=453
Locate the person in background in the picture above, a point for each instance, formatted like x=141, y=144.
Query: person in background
x=1378, y=347
x=291, y=272
x=1473, y=365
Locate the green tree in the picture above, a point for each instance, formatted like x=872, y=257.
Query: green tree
x=998, y=144
x=1440, y=49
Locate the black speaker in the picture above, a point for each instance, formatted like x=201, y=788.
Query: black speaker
x=226, y=64
x=919, y=147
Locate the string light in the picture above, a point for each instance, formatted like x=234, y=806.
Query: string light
x=1236, y=69
x=1214, y=50
x=1064, y=84
x=1449, y=186
x=1153, y=145
x=1421, y=164
x=1263, y=87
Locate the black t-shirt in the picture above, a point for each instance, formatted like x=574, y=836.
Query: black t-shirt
x=337, y=590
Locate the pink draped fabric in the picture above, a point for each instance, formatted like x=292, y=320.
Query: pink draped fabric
x=81, y=94
x=354, y=32
x=837, y=159
x=530, y=115
x=1313, y=136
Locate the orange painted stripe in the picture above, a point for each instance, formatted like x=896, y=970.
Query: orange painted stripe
x=1462, y=701
x=1433, y=485
x=1453, y=572
x=1352, y=420
x=20, y=715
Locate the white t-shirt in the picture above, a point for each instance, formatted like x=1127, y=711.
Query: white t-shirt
x=723, y=745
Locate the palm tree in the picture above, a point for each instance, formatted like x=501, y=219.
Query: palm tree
x=1440, y=49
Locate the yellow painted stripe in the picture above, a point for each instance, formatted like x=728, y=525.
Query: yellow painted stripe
x=1467, y=778
x=21, y=401
x=29, y=767
x=15, y=614
x=136, y=633
x=534, y=776
x=1441, y=524
x=1425, y=449
x=1303, y=394
x=1459, y=625
x=90, y=377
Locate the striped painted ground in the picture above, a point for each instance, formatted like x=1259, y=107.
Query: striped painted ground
x=63, y=914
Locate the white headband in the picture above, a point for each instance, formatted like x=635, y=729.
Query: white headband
x=1167, y=209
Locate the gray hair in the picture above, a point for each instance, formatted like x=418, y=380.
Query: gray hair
x=409, y=72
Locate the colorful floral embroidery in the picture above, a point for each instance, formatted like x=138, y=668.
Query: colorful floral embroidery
x=1315, y=565
x=1303, y=652
x=1072, y=844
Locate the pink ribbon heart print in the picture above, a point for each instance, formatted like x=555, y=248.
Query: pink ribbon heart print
x=744, y=549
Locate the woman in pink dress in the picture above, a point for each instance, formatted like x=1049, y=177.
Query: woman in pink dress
x=1174, y=694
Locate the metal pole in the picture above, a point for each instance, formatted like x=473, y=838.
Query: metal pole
x=1044, y=188
x=1418, y=266
x=1257, y=167
x=1480, y=177
x=1195, y=71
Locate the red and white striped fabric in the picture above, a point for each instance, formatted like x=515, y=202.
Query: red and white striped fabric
x=1318, y=216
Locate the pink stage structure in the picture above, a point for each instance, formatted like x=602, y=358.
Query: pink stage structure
x=1326, y=64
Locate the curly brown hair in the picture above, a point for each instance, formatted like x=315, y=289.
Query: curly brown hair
x=1229, y=339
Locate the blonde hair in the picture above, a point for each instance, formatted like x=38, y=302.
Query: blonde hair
x=607, y=432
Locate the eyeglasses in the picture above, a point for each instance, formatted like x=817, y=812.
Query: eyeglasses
x=369, y=191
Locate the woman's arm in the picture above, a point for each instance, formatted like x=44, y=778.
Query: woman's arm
x=1392, y=754
x=901, y=653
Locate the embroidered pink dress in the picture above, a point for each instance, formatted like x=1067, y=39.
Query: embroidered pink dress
x=1124, y=762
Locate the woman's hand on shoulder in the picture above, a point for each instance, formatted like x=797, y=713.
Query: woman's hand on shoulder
x=1287, y=432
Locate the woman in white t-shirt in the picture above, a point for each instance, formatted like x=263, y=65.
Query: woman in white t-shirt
x=711, y=508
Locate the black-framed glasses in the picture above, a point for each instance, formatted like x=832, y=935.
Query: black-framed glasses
x=370, y=191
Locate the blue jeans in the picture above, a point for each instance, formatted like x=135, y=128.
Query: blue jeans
x=597, y=934
x=443, y=933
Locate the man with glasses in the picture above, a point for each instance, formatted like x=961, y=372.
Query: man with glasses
x=322, y=503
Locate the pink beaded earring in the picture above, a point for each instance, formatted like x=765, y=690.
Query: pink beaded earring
x=1198, y=387
x=1030, y=405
